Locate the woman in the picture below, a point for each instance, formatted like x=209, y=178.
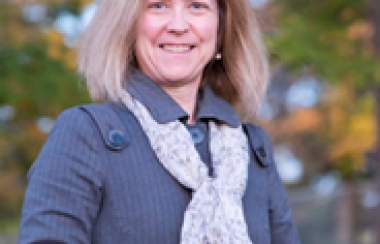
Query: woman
x=170, y=68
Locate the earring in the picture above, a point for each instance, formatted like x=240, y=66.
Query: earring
x=218, y=56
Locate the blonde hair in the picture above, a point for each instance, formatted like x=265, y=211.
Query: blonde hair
x=106, y=56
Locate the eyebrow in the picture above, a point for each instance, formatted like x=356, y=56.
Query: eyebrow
x=213, y=2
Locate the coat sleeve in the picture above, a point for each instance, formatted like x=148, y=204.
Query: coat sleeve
x=64, y=184
x=283, y=229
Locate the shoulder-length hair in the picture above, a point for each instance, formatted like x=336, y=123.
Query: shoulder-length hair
x=106, y=56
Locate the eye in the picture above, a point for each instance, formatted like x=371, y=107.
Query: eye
x=196, y=5
x=157, y=5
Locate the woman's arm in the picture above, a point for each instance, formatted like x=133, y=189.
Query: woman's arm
x=283, y=230
x=64, y=184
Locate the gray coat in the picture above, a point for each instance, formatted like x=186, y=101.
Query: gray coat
x=97, y=180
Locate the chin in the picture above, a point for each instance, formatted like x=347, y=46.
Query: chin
x=180, y=76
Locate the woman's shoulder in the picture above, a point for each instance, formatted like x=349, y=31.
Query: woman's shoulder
x=258, y=131
x=73, y=145
x=73, y=120
x=89, y=117
x=73, y=130
x=78, y=128
x=260, y=143
x=83, y=114
x=109, y=123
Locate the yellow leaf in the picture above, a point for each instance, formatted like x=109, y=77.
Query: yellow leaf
x=54, y=37
x=83, y=3
x=54, y=52
x=71, y=59
x=363, y=130
x=360, y=30
x=304, y=120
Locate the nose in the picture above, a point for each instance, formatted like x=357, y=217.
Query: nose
x=178, y=22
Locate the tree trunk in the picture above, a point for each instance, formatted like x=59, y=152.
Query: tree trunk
x=377, y=96
x=345, y=215
x=374, y=14
x=377, y=153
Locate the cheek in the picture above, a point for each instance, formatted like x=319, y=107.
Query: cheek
x=208, y=29
x=209, y=34
x=147, y=30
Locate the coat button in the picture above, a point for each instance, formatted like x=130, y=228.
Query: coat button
x=262, y=152
x=117, y=138
x=197, y=135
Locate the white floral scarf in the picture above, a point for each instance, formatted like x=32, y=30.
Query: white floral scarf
x=215, y=213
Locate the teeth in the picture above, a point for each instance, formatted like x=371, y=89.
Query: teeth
x=176, y=48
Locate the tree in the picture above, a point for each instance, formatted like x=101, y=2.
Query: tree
x=334, y=41
x=337, y=41
x=37, y=81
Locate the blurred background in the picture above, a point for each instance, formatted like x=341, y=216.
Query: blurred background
x=322, y=110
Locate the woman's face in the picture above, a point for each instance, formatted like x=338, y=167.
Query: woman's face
x=176, y=39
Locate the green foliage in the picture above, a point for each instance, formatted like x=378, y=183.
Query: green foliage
x=330, y=37
x=332, y=40
x=35, y=84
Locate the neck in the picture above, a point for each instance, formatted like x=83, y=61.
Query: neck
x=186, y=97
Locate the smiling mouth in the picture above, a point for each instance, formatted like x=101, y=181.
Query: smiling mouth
x=177, y=48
